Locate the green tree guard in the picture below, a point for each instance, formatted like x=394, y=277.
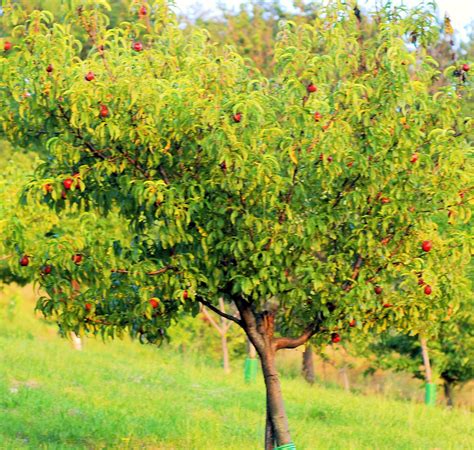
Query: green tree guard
x=290, y=446
x=250, y=369
x=430, y=394
x=251, y=364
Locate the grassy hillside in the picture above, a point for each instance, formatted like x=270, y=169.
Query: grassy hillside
x=124, y=395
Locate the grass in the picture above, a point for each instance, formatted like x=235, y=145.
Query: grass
x=125, y=395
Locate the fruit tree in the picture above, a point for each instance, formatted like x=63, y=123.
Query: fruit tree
x=296, y=197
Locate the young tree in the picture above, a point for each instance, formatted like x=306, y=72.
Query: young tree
x=306, y=200
x=450, y=352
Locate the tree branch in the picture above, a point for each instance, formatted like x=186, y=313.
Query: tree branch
x=249, y=323
x=151, y=273
x=218, y=311
x=355, y=273
x=79, y=135
x=288, y=342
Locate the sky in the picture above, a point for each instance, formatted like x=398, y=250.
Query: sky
x=461, y=12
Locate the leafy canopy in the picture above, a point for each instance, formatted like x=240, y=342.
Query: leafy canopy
x=237, y=185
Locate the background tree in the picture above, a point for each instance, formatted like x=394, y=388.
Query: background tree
x=297, y=199
x=451, y=352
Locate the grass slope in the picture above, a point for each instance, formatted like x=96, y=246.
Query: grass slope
x=124, y=395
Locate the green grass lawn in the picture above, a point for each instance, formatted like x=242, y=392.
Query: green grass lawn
x=125, y=395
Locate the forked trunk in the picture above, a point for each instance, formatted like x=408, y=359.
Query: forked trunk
x=260, y=331
x=277, y=429
x=308, y=365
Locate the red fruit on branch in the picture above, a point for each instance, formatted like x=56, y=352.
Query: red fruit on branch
x=385, y=200
x=426, y=246
x=185, y=295
x=104, y=111
x=137, y=46
x=88, y=306
x=353, y=323
x=142, y=12
x=311, y=88
x=330, y=158
x=335, y=338
x=24, y=260
x=414, y=158
x=465, y=67
x=48, y=187
x=49, y=69
x=317, y=116
x=387, y=305
x=77, y=258
x=378, y=290
x=67, y=183
x=237, y=117
x=428, y=290
x=7, y=46
x=421, y=282
x=46, y=269
x=154, y=302
x=89, y=76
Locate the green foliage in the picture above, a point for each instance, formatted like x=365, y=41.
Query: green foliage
x=278, y=207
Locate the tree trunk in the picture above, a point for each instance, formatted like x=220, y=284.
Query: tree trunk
x=448, y=393
x=252, y=352
x=345, y=378
x=260, y=331
x=76, y=341
x=308, y=365
x=225, y=353
x=275, y=408
x=269, y=433
x=426, y=360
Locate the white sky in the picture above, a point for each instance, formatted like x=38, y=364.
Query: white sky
x=461, y=12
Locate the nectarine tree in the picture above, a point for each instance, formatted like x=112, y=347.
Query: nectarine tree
x=291, y=203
